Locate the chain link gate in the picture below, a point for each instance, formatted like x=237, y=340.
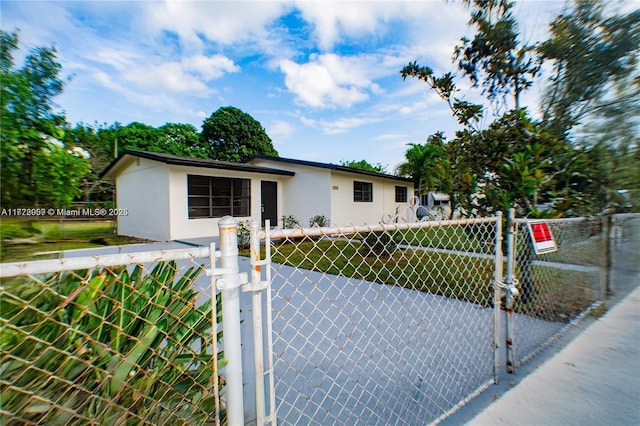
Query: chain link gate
x=549, y=291
x=380, y=324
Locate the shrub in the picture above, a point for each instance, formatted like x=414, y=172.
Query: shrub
x=319, y=221
x=378, y=244
x=289, y=222
x=117, y=346
x=244, y=234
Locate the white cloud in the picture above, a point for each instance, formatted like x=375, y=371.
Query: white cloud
x=118, y=58
x=330, y=80
x=190, y=75
x=280, y=130
x=333, y=19
x=209, y=67
x=224, y=22
x=169, y=76
x=341, y=125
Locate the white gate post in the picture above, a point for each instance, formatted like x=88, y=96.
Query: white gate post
x=256, y=299
x=497, y=293
x=511, y=291
x=229, y=283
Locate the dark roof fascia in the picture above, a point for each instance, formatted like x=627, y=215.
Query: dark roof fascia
x=195, y=162
x=331, y=167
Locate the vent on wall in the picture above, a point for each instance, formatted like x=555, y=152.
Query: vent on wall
x=335, y=187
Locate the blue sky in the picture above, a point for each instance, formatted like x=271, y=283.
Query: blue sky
x=322, y=77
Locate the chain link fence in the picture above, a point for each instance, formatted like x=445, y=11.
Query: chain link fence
x=121, y=339
x=388, y=324
x=395, y=323
x=557, y=287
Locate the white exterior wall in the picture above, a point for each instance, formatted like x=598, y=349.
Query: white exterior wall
x=345, y=211
x=142, y=188
x=304, y=195
x=183, y=227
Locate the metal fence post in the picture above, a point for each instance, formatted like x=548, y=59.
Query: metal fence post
x=256, y=303
x=229, y=283
x=609, y=237
x=497, y=282
x=511, y=291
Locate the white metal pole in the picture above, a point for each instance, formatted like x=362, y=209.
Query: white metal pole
x=497, y=290
x=230, y=284
x=509, y=298
x=214, y=332
x=273, y=415
x=258, y=341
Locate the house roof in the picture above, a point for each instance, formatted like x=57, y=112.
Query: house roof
x=112, y=169
x=330, y=167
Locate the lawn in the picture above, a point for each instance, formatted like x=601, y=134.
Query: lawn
x=559, y=294
x=446, y=274
x=22, y=239
x=477, y=238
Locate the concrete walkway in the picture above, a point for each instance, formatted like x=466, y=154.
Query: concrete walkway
x=595, y=380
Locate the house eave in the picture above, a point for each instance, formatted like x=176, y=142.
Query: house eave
x=111, y=171
x=331, y=167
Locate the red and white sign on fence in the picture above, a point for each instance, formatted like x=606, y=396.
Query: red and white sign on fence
x=541, y=237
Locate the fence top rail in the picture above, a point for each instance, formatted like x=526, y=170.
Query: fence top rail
x=90, y=262
x=560, y=220
x=276, y=234
x=626, y=215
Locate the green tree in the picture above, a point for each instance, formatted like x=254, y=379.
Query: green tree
x=422, y=163
x=593, y=99
x=594, y=54
x=27, y=116
x=138, y=136
x=99, y=140
x=59, y=174
x=495, y=58
x=181, y=139
x=515, y=161
x=364, y=165
x=232, y=135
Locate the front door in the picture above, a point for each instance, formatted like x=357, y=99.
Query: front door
x=269, y=200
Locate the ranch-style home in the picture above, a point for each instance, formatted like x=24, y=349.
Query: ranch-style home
x=168, y=197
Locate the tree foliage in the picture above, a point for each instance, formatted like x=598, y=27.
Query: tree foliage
x=230, y=134
x=517, y=161
x=27, y=117
x=364, y=165
x=591, y=54
x=495, y=58
x=60, y=174
x=423, y=163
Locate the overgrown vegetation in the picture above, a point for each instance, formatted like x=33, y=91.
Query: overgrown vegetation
x=112, y=346
x=24, y=240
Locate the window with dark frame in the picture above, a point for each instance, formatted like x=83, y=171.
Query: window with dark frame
x=211, y=197
x=401, y=194
x=362, y=192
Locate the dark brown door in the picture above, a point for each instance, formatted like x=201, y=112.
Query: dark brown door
x=269, y=200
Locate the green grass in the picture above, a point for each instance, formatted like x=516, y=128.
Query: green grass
x=445, y=274
x=23, y=240
x=472, y=238
x=559, y=295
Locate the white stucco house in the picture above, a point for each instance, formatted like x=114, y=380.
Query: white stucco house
x=167, y=197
